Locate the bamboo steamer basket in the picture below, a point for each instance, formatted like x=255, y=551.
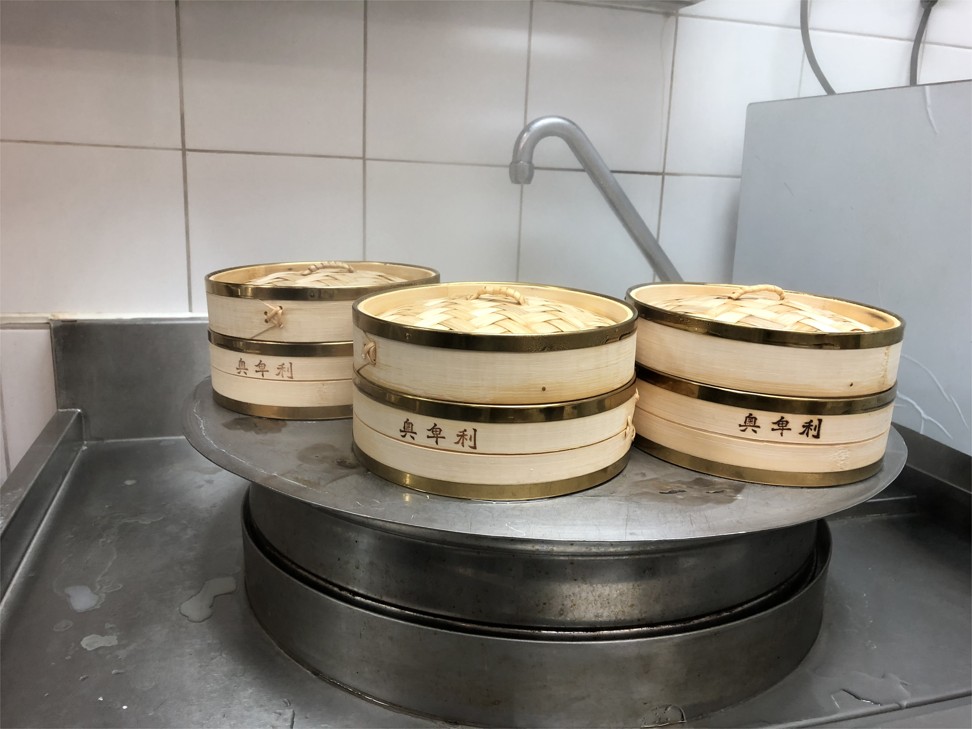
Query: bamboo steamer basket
x=495, y=452
x=764, y=385
x=280, y=333
x=299, y=302
x=495, y=343
x=494, y=390
x=770, y=439
x=766, y=340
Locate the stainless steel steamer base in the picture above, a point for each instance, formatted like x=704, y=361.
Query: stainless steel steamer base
x=537, y=584
x=661, y=588
x=459, y=673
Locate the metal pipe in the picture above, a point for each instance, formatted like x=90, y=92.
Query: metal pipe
x=521, y=173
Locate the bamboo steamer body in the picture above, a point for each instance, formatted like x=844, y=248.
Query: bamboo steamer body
x=763, y=360
x=280, y=334
x=775, y=405
x=462, y=410
x=499, y=369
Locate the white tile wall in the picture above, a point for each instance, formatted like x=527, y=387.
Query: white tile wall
x=570, y=236
x=27, y=381
x=94, y=72
x=720, y=68
x=855, y=63
x=887, y=18
x=950, y=22
x=274, y=77
x=698, y=226
x=247, y=209
x=91, y=230
x=766, y=12
x=460, y=220
x=944, y=63
x=384, y=129
x=607, y=70
x=446, y=80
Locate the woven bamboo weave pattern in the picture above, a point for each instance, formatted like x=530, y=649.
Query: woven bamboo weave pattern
x=765, y=313
x=497, y=314
x=326, y=275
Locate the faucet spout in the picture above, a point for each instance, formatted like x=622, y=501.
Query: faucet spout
x=521, y=173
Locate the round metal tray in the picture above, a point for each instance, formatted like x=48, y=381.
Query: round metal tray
x=649, y=501
x=469, y=674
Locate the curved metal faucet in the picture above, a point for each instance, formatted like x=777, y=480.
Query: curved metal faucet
x=521, y=173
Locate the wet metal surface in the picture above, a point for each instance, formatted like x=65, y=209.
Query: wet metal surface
x=146, y=525
x=649, y=501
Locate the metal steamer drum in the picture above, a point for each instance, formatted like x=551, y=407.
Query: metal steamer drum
x=571, y=587
x=493, y=391
x=481, y=675
x=659, y=596
x=280, y=333
x=764, y=385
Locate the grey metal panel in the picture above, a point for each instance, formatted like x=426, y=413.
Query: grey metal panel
x=129, y=377
x=27, y=493
x=868, y=196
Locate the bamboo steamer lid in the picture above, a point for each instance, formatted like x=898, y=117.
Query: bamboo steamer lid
x=499, y=343
x=767, y=340
x=308, y=280
x=300, y=302
x=767, y=314
x=783, y=314
x=497, y=310
x=327, y=274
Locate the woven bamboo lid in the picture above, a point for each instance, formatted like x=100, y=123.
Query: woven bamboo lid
x=493, y=316
x=766, y=307
x=315, y=281
x=766, y=314
x=496, y=310
x=325, y=274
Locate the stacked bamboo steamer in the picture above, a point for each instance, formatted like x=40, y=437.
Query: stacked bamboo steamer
x=493, y=391
x=280, y=333
x=765, y=385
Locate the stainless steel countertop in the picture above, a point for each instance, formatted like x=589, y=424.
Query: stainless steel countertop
x=129, y=611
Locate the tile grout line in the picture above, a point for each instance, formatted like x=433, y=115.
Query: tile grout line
x=96, y=145
x=364, y=132
x=526, y=103
x=835, y=31
x=185, y=161
x=392, y=160
x=668, y=134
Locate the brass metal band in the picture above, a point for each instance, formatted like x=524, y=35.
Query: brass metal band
x=810, y=340
x=282, y=349
x=309, y=293
x=283, y=412
x=375, y=325
x=496, y=413
x=490, y=492
x=756, y=475
x=774, y=403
